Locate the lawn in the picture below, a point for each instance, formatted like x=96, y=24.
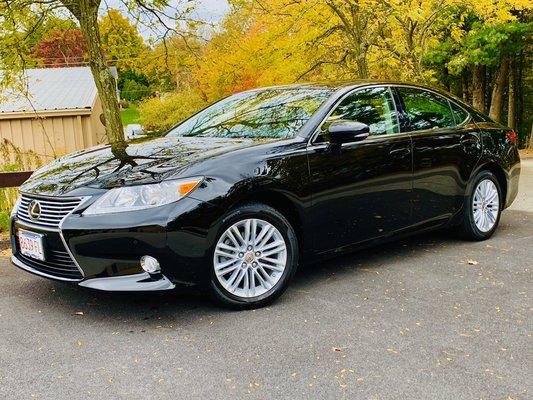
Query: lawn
x=130, y=115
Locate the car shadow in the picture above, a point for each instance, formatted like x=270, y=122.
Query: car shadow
x=181, y=305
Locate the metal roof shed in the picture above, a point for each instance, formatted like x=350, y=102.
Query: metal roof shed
x=59, y=112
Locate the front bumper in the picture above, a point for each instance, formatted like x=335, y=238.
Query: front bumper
x=143, y=282
x=105, y=251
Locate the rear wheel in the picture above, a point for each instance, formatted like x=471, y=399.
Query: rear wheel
x=255, y=257
x=482, y=207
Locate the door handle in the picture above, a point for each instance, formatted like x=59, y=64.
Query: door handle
x=400, y=152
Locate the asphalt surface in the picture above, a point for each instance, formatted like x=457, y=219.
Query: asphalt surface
x=431, y=317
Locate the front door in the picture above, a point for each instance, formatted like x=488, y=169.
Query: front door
x=363, y=191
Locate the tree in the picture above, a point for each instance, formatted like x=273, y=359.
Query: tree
x=169, y=65
x=121, y=41
x=86, y=12
x=61, y=48
x=480, y=51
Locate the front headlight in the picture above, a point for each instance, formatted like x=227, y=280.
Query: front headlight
x=134, y=198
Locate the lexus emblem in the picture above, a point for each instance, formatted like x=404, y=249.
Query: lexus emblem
x=34, y=210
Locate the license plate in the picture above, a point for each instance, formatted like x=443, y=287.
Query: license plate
x=31, y=244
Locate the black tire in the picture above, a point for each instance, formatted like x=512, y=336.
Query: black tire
x=272, y=216
x=468, y=228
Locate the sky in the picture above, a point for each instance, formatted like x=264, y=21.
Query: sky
x=206, y=10
x=212, y=10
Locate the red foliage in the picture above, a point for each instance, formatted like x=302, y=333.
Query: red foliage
x=245, y=82
x=61, y=48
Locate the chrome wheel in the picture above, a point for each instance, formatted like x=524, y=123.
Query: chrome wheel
x=486, y=205
x=250, y=258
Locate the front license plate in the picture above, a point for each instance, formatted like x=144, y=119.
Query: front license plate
x=31, y=244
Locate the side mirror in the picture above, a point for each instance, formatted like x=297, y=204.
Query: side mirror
x=343, y=131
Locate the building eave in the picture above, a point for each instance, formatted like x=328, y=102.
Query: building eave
x=45, y=113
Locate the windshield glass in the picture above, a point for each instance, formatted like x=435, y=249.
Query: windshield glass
x=267, y=113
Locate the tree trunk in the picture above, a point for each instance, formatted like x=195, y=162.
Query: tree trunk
x=478, y=87
x=86, y=12
x=511, y=109
x=500, y=79
x=362, y=66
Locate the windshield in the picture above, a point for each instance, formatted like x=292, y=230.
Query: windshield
x=268, y=113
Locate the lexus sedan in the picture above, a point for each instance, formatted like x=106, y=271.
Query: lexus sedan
x=237, y=196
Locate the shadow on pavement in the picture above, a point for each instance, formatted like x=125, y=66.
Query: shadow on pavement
x=182, y=306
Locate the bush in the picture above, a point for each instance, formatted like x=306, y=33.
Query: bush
x=4, y=221
x=160, y=114
x=134, y=91
x=13, y=159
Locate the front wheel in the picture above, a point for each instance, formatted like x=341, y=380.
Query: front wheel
x=255, y=257
x=482, y=207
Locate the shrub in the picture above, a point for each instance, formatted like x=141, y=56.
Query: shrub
x=4, y=221
x=12, y=159
x=159, y=114
x=134, y=91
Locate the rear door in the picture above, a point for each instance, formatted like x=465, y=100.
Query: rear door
x=446, y=148
x=363, y=191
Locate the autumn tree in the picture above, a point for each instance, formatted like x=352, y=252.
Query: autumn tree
x=19, y=20
x=61, y=48
x=123, y=45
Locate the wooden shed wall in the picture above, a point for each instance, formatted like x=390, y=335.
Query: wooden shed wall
x=52, y=135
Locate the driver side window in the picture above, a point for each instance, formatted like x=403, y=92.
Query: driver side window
x=373, y=107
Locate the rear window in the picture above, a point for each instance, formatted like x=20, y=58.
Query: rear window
x=459, y=113
x=426, y=110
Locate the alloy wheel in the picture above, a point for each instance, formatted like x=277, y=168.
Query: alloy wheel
x=250, y=258
x=486, y=205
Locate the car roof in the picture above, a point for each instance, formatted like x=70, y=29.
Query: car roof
x=342, y=84
x=342, y=87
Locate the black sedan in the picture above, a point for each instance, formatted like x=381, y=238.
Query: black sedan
x=240, y=194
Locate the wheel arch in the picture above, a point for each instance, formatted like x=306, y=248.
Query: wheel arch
x=282, y=203
x=500, y=174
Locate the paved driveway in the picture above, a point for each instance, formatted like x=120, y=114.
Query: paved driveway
x=426, y=318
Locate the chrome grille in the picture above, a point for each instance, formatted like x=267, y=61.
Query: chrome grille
x=53, y=210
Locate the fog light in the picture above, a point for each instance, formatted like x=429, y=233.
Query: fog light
x=150, y=265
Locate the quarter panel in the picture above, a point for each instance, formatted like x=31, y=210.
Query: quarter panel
x=443, y=163
x=498, y=150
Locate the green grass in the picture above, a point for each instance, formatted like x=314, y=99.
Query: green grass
x=130, y=115
x=4, y=221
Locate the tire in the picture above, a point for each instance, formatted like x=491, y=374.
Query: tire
x=263, y=267
x=472, y=226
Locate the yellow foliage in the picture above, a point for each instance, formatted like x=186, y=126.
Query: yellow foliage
x=275, y=42
x=159, y=114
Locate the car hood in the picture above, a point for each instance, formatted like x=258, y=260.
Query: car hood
x=132, y=163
